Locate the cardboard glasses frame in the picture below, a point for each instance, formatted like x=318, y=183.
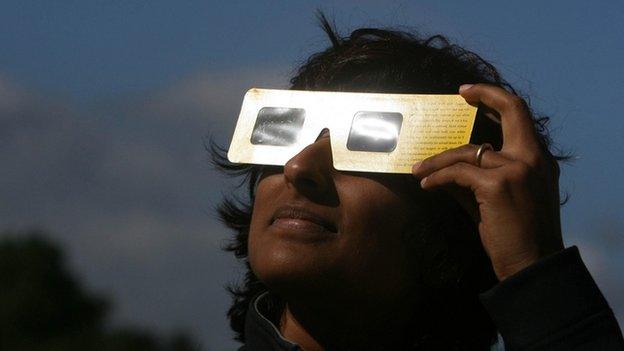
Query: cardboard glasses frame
x=369, y=132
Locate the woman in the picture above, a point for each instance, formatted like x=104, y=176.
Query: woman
x=467, y=246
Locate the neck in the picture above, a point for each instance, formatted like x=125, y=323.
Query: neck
x=346, y=325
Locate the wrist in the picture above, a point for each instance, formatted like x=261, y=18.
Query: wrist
x=509, y=267
x=516, y=263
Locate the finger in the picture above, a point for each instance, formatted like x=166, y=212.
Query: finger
x=465, y=153
x=517, y=124
x=462, y=174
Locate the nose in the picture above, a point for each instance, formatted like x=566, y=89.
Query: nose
x=310, y=171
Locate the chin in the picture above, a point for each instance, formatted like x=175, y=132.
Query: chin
x=289, y=269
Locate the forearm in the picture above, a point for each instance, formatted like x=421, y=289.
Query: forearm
x=553, y=305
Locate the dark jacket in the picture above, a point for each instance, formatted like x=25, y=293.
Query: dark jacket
x=551, y=305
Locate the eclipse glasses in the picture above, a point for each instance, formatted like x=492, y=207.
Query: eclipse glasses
x=369, y=132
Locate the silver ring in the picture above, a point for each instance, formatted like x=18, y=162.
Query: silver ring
x=480, y=151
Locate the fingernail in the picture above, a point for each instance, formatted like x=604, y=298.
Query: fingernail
x=422, y=182
x=416, y=166
x=464, y=87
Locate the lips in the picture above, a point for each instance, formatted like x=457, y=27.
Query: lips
x=302, y=218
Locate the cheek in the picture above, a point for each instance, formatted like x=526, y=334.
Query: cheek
x=374, y=222
x=373, y=213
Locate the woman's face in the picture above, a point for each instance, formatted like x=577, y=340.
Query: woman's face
x=318, y=230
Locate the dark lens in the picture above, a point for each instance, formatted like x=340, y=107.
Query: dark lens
x=278, y=126
x=374, y=131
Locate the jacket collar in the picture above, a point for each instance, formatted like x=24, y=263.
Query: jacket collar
x=263, y=335
x=260, y=333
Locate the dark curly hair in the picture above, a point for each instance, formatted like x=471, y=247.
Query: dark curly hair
x=457, y=268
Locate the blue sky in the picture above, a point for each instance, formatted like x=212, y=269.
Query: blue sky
x=104, y=106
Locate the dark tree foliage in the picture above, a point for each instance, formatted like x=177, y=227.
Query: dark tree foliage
x=44, y=307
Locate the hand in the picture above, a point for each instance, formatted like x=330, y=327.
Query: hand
x=514, y=195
